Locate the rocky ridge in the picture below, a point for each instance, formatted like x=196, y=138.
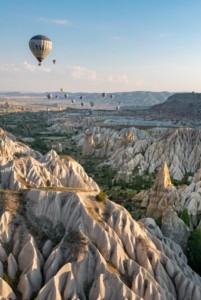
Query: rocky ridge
x=87, y=249
x=145, y=153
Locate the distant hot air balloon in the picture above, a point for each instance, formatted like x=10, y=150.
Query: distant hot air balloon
x=112, y=96
x=65, y=95
x=40, y=46
x=92, y=104
x=82, y=104
x=103, y=95
x=56, y=96
x=81, y=97
x=73, y=100
x=54, y=61
x=49, y=96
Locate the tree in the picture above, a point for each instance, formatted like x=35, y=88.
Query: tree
x=194, y=250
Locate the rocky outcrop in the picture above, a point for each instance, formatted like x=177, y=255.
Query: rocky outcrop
x=88, y=145
x=5, y=291
x=163, y=196
x=67, y=245
x=50, y=170
x=144, y=152
x=10, y=148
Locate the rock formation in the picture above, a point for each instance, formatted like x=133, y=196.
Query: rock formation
x=98, y=251
x=49, y=170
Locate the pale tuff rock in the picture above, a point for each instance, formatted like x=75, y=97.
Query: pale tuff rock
x=6, y=291
x=68, y=171
x=9, y=148
x=5, y=226
x=104, y=141
x=3, y=255
x=95, y=250
x=163, y=182
x=12, y=266
x=175, y=229
x=88, y=145
x=1, y=269
x=180, y=148
x=163, y=196
x=47, y=248
x=112, y=237
x=30, y=262
x=50, y=170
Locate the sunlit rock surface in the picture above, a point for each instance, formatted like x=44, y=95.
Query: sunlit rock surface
x=67, y=245
x=49, y=171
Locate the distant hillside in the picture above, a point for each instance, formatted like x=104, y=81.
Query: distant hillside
x=182, y=104
x=137, y=98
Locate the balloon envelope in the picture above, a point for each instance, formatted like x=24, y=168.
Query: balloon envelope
x=40, y=46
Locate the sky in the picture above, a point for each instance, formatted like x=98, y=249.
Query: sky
x=102, y=45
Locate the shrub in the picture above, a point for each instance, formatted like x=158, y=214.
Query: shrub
x=101, y=197
x=194, y=250
x=185, y=217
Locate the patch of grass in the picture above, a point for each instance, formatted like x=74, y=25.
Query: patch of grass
x=101, y=197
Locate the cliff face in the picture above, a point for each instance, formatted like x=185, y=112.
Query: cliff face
x=180, y=148
x=66, y=245
x=181, y=104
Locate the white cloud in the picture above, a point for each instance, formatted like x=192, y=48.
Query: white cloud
x=119, y=79
x=35, y=68
x=79, y=72
x=62, y=22
x=9, y=68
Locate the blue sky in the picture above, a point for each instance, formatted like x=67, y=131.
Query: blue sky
x=105, y=45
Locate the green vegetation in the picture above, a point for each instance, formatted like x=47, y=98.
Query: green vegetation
x=185, y=217
x=12, y=282
x=101, y=197
x=184, y=180
x=194, y=250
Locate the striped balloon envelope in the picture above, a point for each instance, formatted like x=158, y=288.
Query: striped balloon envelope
x=40, y=46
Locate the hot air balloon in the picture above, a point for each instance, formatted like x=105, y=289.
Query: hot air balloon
x=82, y=104
x=103, y=95
x=81, y=97
x=65, y=95
x=49, y=96
x=73, y=100
x=112, y=96
x=54, y=61
x=92, y=104
x=40, y=46
x=61, y=89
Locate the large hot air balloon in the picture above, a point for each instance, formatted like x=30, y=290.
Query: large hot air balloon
x=40, y=46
